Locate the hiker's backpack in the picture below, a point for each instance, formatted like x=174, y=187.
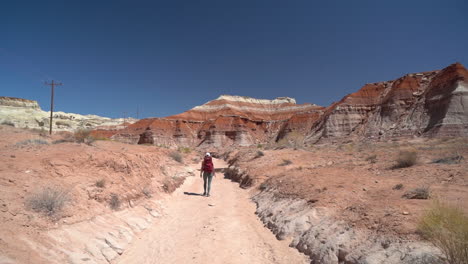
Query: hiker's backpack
x=208, y=166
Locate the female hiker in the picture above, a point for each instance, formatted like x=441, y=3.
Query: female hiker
x=207, y=171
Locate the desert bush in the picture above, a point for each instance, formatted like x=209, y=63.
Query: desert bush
x=398, y=187
x=285, y=162
x=101, y=183
x=418, y=193
x=405, y=159
x=259, y=154
x=447, y=228
x=32, y=142
x=62, y=123
x=49, y=200
x=114, y=202
x=147, y=192
x=449, y=160
x=259, y=146
x=176, y=156
x=372, y=158
x=8, y=123
x=293, y=139
x=184, y=150
x=82, y=135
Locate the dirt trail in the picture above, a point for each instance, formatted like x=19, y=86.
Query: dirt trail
x=219, y=229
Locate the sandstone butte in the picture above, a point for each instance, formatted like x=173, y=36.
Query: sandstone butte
x=431, y=104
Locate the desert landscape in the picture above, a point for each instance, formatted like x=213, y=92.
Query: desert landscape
x=378, y=177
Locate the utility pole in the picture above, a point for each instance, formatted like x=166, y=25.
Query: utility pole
x=52, y=85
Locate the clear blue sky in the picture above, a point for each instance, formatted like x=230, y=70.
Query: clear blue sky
x=168, y=56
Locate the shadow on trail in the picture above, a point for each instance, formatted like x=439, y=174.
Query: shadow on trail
x=193, y=194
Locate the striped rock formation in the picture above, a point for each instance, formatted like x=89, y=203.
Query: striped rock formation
x=420, y=104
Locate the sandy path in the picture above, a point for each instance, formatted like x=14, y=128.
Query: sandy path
x=220, y=229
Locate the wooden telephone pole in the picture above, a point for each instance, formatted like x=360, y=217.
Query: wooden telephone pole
x=52, y=85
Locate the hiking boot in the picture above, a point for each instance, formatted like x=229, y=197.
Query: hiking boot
x=204, y=194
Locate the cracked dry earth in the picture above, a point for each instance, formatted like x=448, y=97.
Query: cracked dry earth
x=222, y=228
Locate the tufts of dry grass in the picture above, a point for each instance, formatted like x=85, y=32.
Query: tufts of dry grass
x=114, y=202
x=49, y=200
x=447, y=228
x=176, y=156
x=405, y=159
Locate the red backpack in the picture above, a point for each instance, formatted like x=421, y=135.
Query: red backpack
x=208, y=164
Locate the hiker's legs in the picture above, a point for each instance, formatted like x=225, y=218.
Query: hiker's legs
x=210, y=177
x=205, y=181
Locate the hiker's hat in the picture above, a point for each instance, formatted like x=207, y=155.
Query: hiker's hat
x=207, y=154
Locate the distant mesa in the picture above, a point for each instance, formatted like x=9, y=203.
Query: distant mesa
x=25, y=113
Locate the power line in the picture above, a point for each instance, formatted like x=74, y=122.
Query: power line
x=52, y=85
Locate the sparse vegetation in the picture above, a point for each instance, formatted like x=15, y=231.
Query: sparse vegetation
x=293, y=139
x=449, y=160
x=83, y=136
x=62, y=123
x=184, y=150
x=8, y=123
x=285, y=162
x=372, y=158
x=259, y=154
x=147, y=192
x=176, y=156
x=418, y=193
x=32, y=142
x=398, y=187
x=114, y=202
x=101, y=183
x=447, y=228
x=49, y=201
x=405, y=159
x=259, y=146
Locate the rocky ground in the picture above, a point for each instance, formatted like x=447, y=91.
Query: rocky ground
x=328, y=191
x=334, y=203
x=93, y=180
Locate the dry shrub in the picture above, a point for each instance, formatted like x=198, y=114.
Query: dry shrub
x=176, y=156
x=447, y=228
x=32, y=142
x=399, y=186
x=147, y=192
x=406, y=159
x=114, y=202
x=418, y=193
x=101, y=183
x=293, y=139
x=259, y=154
x=83, y=136
x=456, y=159
x=185, y=150
x=372, y=158
x=285, y=162
x=49, y=200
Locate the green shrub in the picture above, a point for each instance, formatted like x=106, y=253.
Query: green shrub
x=405, y=159
x=176, y=156
x=447, y=228
x=49, y=201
